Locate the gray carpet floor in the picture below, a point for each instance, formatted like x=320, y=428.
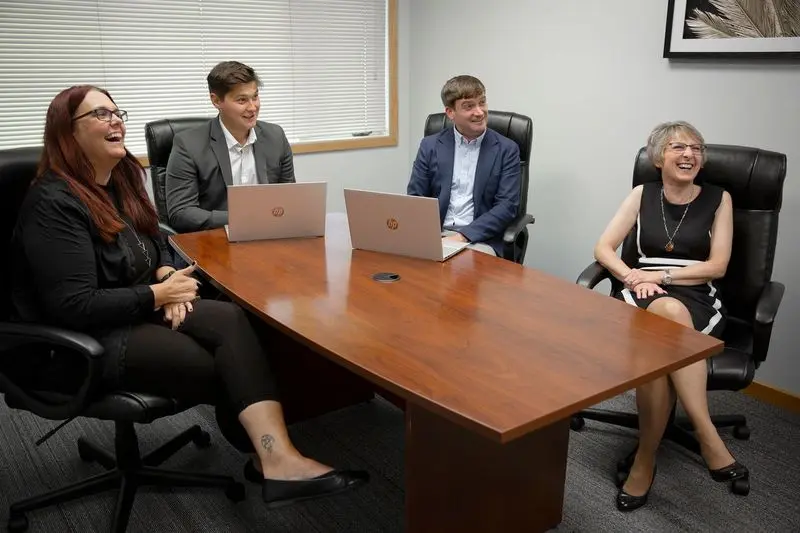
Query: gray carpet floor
x=684, y=498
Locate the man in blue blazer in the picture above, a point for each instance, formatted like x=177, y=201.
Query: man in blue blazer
x=472, y=170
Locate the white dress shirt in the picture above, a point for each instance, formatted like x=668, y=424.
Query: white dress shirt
x=461, y=211
x=243, y=158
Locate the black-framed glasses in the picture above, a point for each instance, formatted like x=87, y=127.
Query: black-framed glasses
x=106, y=115
x=679, y=148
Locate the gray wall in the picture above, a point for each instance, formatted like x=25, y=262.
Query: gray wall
x=591, y=76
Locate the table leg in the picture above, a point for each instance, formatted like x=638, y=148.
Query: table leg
x=460, y=481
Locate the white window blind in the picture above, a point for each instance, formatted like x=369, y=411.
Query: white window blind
x=323, y=63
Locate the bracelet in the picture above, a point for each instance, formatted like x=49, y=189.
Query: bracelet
x=165, y=278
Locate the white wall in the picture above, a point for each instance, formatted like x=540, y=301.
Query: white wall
x=591, y=76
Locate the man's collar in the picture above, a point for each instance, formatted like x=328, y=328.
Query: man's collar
x=231, y=141
x=460, y=139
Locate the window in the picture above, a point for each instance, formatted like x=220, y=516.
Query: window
x=326, y=66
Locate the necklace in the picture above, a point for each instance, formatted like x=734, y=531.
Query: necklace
x=670, y=246
x=147, y=257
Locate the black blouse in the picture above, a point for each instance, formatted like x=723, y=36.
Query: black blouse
x=66, y=275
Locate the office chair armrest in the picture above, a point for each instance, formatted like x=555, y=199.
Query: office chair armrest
x=594, y=274
x=516, y=227
x=20, y=334
x=766, y=309
x=166, y=229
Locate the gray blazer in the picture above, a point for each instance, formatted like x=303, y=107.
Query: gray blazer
x=199, y=170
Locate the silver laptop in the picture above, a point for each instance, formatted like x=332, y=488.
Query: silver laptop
x=276, y=211
x=397, y=224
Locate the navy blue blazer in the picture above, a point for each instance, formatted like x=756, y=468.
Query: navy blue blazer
x=496, y=190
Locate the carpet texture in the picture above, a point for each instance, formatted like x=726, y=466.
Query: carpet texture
x=370, y=436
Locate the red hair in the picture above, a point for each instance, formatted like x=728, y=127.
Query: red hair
x=64, y=157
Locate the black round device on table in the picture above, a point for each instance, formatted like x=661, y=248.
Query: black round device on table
x=386, y=277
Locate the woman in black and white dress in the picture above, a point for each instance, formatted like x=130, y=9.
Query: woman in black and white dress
x=684, y=232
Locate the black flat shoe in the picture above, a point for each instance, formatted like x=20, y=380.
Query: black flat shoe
x=729, y=473
x=278, y=493
x=627, y=502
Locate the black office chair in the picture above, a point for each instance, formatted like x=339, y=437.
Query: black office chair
x=35, y=361
x=159, y=135
x=519, y=129
x=754, y=178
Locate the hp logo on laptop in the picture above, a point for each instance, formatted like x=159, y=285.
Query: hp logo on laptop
x=277, y=212
x=391, y=223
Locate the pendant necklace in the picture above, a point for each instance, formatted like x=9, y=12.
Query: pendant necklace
x=670, y=246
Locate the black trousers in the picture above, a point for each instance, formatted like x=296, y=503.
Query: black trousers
x=213, y=358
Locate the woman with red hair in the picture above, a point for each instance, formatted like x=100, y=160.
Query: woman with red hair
x=88, y=256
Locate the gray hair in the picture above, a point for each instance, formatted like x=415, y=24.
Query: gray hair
x=664, y=133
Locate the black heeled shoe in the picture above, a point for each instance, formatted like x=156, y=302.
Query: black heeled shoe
x=733, y=471
x=627, y=502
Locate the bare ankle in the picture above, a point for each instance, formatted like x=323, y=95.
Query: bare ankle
x=645, y=459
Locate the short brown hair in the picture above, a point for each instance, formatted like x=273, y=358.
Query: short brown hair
x=460, y=87
x=224, y=76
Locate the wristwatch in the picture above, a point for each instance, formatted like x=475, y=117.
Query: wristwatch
x=666, y=277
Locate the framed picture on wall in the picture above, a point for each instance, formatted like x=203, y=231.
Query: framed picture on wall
x=733, y=29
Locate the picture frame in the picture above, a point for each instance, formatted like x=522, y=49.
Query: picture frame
x=711, y=29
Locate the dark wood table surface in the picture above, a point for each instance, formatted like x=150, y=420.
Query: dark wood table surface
x=490, y=358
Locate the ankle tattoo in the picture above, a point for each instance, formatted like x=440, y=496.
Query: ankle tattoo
x=267, y=441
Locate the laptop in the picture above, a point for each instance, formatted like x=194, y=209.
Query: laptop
x=276, y=211
x=397, y=224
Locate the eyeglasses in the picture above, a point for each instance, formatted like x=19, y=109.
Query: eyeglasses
x=679, y=148
x=105, y=115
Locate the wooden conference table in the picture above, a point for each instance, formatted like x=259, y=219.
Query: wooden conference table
x=488, y=358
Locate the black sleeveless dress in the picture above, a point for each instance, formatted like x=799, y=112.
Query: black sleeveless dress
x=691, y=244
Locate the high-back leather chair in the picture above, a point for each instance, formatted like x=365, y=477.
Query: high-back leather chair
x=159, y=136
x=519, y=129
x=754, y=178
x=34, y=359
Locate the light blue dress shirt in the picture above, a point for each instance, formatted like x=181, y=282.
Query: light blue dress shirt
x=461, y=211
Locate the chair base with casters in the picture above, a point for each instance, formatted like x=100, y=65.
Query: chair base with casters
x=678, y=430
x=127, y=469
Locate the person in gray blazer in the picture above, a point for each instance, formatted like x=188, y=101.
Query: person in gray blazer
x=233, y=149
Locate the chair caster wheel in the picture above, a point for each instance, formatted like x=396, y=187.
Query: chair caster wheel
x=202, y=439
x=235, y=492
x=622, y=477
x=85, y=452
x=741, y=486
x=576, y=423
x=17, y=523
x=741, y=432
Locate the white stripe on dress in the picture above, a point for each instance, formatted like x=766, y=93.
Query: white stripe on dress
x=639, y=235
x=626, y=293
x=717, y=306
x=668, y=261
